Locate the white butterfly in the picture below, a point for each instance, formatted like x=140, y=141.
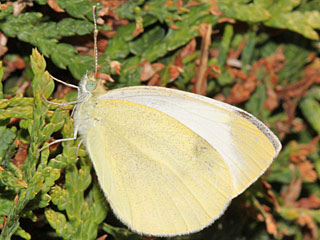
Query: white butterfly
x=168, y=161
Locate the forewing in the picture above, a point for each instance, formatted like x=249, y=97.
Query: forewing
x=159, y=176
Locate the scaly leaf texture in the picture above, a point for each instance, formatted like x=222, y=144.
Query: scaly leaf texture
x=34, y=179
x=31, y=28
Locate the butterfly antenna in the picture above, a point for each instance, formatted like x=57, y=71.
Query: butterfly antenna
x=95, y=35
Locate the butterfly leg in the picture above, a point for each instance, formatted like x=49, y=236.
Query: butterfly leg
x=60, y=140
x=54, y=103
x=78, y=148
x=57, y=141
x=64, y=104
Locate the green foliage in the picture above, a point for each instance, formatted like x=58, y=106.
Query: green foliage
x=276, y=14
x=35, y=189
x=31, y=27
x=264, y=59
x=310, y=108
x=84, y=214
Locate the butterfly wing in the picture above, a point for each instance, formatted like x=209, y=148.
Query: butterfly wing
x=160, y=177
x=246, y=144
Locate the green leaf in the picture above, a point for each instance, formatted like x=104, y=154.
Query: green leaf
x=300, y=22
x=4, y=13
x=224, y=78
x=296, y=58
x=255, y=104
x=50, y=175
x=7, y=136
x=77, y=8
x=81, y=64
x=283, y=5
x=126, y=10
x=244, y=12
x=56, y=123
x=314, y=93
x=63, y=54
x=60, y=197
x=16, y=112
x=130, y=75
x=150, y=38
x=121, y=233
x=17, y=24
x=9, y=180
x=311, y=110
x=98, y=204
x=42, y=2
x=59, y=222
x=225, y=44
x=117, y=48
x=6, y=202
x=154, y=52
x=248, y=51
x=1, y=76
x=22, y=233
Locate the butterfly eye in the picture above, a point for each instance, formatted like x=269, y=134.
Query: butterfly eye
x=91, y=85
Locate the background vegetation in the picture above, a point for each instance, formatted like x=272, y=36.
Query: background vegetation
x=260, y=55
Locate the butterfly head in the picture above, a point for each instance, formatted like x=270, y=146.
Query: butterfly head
x=90, y=85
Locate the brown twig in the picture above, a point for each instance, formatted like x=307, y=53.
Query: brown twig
x=201, y=84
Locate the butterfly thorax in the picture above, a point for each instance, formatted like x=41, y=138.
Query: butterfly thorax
x=89, y=90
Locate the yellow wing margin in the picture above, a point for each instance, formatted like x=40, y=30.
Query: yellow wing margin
x=159, y=176
x=255, y=151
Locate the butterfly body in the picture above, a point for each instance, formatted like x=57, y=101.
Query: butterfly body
x=168, y=161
